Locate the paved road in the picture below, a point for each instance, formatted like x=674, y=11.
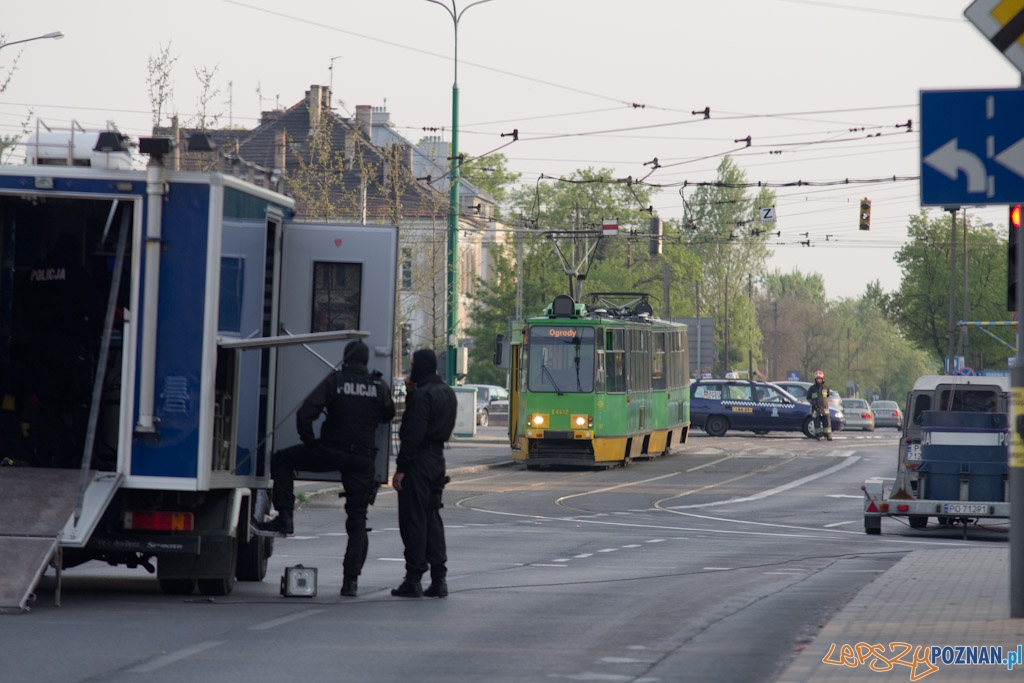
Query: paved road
x=713, y=564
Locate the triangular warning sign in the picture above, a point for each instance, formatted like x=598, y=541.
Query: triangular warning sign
x=872, y=507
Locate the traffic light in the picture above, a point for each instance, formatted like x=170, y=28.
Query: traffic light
x=1011, y=261
x=865, y=214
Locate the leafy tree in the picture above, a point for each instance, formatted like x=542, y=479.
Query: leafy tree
x=490, y=173
x=732, y=251
x=920, y=306
x=9, y=142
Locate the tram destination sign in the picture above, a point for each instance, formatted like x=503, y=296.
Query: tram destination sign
x=972, y=147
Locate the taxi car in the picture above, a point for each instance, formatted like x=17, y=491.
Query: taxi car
x=718, y=405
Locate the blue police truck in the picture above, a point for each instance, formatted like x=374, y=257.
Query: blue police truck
x=158, y=328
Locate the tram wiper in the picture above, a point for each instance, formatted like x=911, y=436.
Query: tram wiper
x=544, y=368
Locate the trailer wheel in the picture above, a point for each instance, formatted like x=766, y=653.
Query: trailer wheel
x=918, y=521
x=716, y=425
x=177, y=586
x=873, y=526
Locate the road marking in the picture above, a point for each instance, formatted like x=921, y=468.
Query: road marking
x=558, y=501
x=708, y=464
x=583, y=556
x=655, y=540
x=171, y=658
x=607, y=550
x=844, y=495
x=834, y=524
x=538, y=564
x=274, y=623
x=717, y=569
x=632, y=545
x=771, y=492
x=391, y=559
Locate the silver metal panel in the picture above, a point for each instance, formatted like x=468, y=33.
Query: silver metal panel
x=375, y=248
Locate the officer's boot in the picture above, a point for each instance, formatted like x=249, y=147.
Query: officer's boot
x=410, y=588
x=282, y=524
x=438, y=588
x=349, y=586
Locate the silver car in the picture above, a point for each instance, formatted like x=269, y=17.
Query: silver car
x=858, y=414
x=887, y=414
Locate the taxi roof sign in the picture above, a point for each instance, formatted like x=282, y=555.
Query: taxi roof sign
x=1002, y=22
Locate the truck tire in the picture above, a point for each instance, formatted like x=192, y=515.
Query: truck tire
x=252, y=558
x=716, y=425
x=918, y=521
x=177, y=586
x=873, y=526
x=217, y=587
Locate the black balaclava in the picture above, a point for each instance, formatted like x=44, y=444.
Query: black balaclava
x=356, y=353
x=424, y=364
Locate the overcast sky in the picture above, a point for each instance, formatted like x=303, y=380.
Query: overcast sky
x=823, y=88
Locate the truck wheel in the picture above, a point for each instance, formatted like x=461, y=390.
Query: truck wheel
x=918, y=521
x=177, y=586
x=716, y=425
x=873, y=526
x=216, y=587
x=252, y=558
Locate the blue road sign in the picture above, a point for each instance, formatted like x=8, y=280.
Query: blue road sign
x=972, y=147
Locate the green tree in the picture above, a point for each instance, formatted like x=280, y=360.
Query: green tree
x=732, y=250
x=490, y=173
x=920, y=307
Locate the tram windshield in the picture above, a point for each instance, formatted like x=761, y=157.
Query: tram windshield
x=561, y=359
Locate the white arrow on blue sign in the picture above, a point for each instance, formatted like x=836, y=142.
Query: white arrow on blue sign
x=972, y=147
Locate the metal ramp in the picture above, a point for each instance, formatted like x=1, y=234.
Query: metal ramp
x=35, y=507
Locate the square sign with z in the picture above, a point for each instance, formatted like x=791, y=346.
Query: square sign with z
x=972, y=147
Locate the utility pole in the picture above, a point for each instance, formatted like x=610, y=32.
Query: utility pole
x=963, y=330
x=952, y=288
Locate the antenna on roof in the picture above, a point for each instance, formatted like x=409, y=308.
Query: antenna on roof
x=331, y=86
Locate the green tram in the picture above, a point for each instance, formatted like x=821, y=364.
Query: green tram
x=599, y=385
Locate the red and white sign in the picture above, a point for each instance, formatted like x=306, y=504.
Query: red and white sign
x=610, y=227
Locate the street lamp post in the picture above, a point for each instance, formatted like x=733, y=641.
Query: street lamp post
x=56, y=35
x=451, y=328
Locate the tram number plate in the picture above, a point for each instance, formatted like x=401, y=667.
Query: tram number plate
x=965, y=509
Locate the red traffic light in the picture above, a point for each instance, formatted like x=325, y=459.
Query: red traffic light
x=1015, y=216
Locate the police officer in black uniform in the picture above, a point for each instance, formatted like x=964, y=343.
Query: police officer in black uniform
x=355, y=401
x=419, y=477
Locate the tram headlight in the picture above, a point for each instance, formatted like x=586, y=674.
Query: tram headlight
x=540, y=420
x=581, y=421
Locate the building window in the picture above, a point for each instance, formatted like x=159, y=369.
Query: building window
x=337, y=291
x=406, y=268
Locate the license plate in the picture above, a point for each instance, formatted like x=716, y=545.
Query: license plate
x=914, y=451
x=965, y=509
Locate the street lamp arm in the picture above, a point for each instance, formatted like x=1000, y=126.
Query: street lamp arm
x=56, y=35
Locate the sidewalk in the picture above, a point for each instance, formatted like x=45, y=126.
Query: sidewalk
x=929, y=598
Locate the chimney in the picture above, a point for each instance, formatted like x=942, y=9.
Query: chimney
x=364, y=120
x=279, y=150
x=314, y=102
x=268, y=117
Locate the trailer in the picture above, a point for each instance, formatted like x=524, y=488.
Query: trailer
x=158, y=330
x=952, y=460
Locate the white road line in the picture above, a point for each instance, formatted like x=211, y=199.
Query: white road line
x=708, y=464
x=583, y=556
x=717, y=569
x=538, y=564
x=771, y=492
x=274, y=623
x=844, y=495
x=172, y=657
x=632, y=545
x=617, y=486
x=607, y=550
x=391, y=559
x=829, y=526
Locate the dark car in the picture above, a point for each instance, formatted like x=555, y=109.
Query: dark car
x=491, y=404
x=718, y=405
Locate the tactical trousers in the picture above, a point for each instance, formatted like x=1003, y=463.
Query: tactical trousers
x=356, y=476
x=822, y=424
x=419, y=517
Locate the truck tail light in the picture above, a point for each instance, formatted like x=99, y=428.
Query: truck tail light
x=147, y=520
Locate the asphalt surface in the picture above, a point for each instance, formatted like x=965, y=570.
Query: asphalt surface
x=936, y=614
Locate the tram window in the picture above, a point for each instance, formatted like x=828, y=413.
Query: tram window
x=561, y=359
x=615, y=362
x=658, y=380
